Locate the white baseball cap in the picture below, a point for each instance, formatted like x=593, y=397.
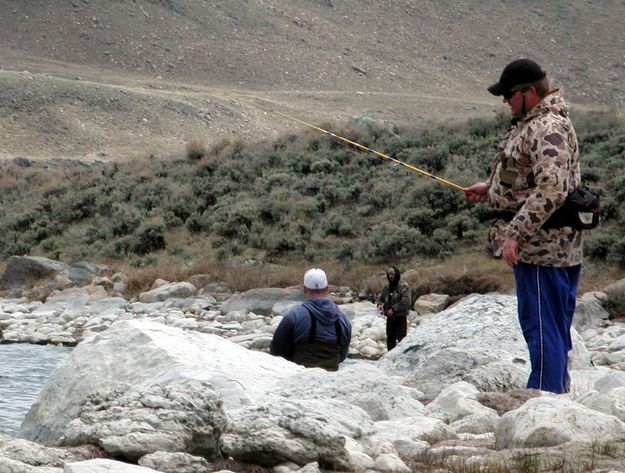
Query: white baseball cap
x=315, y=279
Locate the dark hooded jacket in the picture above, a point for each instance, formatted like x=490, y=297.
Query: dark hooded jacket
x=396, y=296
x=295, y=327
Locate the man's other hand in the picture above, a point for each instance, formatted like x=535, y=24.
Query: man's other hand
x=478, y=192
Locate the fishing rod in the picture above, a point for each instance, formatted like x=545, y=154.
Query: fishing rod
x=361, y=147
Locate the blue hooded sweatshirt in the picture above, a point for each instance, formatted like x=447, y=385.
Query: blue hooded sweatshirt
x=295, y=327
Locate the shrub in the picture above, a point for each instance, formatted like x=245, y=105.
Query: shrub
x=599, y=246
x=616, y=254
x=148, y=239
x=196, y=150
x=284, y=244
x=14, y=244
x=124, y=219
x=194, y=223
x=345, y=252
x=338, y=225
x=389, y=243
x=422, y=219
x=49, y=244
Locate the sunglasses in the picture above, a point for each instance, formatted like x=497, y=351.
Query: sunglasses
x=509, y=94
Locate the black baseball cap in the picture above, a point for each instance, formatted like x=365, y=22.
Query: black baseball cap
x=521, y=71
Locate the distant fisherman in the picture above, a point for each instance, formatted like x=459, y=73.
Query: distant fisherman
x=316, y=333
x=536, y=167
x=394, y=302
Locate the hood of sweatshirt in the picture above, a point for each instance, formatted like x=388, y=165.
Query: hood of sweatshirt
x=324, y=309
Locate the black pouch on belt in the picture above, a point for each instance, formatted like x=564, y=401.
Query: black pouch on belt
x=580, y=210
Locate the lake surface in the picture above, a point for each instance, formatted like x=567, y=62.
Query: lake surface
x=24, y=369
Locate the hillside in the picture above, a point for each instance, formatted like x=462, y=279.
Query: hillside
x=111, y=80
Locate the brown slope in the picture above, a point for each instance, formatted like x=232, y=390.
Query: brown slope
x=155, y=74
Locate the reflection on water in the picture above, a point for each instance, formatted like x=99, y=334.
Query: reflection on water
x=24, y=370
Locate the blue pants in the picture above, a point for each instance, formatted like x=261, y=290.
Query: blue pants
x=546, y=303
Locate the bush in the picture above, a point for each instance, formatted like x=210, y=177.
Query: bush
x=196, y=150
x=422, y=219
x=49, y=244
x=389, y=243
x=301, y=196
x=599, y=247
x=124, y=219
x=339, y=226
x=14, y=244
x=616, y=253
x=284, y=244
x=148, y=239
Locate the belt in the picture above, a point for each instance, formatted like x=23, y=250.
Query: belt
x=554, y=221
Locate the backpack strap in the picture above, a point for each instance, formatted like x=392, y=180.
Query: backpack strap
x=313, y=327
x=339, y=331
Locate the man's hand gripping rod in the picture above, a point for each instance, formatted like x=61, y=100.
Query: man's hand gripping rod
x=362, y=147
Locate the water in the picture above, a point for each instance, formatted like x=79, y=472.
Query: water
x=24, y=369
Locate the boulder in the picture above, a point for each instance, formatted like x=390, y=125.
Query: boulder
x=477, y=340
x=551, y=420
x=176, y=462
x=600, y=379
x=360, y=384
x=411, y=433
x=431, y=303
x=456, y=402
x=301, y=432
x=23, y=270
x=142, y=354
x=102, y=465
x=164, y=291
x=262, y=301
x=78, y=274
x=128, y=423
x=612, y=402
x=22, y=456
x=589, y=312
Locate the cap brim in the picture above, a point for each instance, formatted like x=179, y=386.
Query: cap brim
x=497, y=89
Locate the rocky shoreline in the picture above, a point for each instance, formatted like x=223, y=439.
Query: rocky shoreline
x=179, y=380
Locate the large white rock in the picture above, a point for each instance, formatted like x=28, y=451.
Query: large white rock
x=477, y=340
x=8, y=465
x=176, y=462
x=102, y=465
x=456, y=402
x=613, y=402
x=589, y=312
x=129, y=423
x=295, y=431
x=168, y=291
x=410, y=432
x=361, y=384
x=22, y=456
x=143, y=353
x=551, y=420
x=262, y=301
x=600, y=379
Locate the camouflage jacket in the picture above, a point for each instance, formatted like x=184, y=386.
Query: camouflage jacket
x=536, y=166
x=399, y=299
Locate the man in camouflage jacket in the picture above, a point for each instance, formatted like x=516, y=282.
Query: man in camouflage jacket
x=536, y=167
x=394, y=302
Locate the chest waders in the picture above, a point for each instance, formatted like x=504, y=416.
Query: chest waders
x=312, y=354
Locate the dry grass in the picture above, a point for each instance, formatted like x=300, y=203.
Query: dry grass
x=196, y=149
x=508, y=401
x=241, y=276
x=457, y=276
